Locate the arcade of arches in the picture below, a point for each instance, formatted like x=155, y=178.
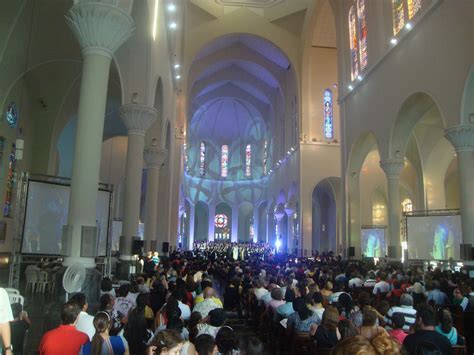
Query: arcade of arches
x=305, y=124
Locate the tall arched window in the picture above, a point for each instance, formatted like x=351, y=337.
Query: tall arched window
x=358, y=38
x=353, y=43
x=202, y=159
x=224, y=160
x=265, y=157
x=248, y=160
x=328, y=125
x=403, y=11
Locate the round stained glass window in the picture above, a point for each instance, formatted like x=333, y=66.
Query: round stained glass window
x=12, y=115
x=220, y=221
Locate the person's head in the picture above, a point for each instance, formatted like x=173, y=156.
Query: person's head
x=290, y=295
x=345, y=300
x=369, y=317
x=208, y=292
x=102, y=325
x=217, y=317
x=364, y=299
x=142, y=300
x=133, y=287
x=166, y=342
x=194, y=319
x=106, y=284
x=406, y=300
x=226, y=340
x=425, y=316
x=328, y=286
x=106, y=302
x=445, y=320
x=357, y=345
x=277, y=294
x=251, y=345
x=385, y=344
x=17, y=308
x=205, y=345
x=317, y=298
x=80, y=299
x=299, y=305
x=398, y=320
x=69, y=313
x=330, y=318
x=123, y=290
x=347, y=328
x=175, y=323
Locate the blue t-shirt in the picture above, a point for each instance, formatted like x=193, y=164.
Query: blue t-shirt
x=115, y=343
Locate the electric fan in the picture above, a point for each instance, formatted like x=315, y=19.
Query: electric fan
x=73, y=278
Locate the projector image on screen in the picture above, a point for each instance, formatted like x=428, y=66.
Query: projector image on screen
x=373, y=242
x=46, y=213
x=434, y=237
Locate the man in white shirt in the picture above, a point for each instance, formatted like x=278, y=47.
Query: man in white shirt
x=260, y=290
x=85, y=322
x=356, y=282
x=180, y=295
x=405, y=308
x=6, y=316
x=382, y=286
x=208, y=304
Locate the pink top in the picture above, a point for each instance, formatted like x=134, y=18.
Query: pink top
x=398, y=334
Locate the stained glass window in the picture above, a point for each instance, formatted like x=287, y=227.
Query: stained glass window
x=413, y=7
x=328, y=121
x=224, y=160
x=12, y=115
x=202, y=159
x=398, y=15
x=248, y=160
x=407, y=205
x=221, y=220
x=265, y=157
x=362, y=34
x=353, y=43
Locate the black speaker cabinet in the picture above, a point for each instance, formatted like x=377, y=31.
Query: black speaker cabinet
x=137, y=247
x=165, y=247
x=352, y=252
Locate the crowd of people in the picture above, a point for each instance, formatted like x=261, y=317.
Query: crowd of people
x=181, y=304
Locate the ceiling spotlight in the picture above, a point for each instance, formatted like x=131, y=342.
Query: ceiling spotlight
x=288, y=152
x=171, y=7
x=393, y=41
x=176, y=66
x=408, y=26
x=178, y=76
x=350, y=87
x=359, y=77
x=173, y=25
x=292, y=149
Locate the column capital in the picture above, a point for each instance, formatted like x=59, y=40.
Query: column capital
x=392, y=167
x=279, y=211
x=154, y=157
x=100, y=27
x=138, y=118
x=461, y=137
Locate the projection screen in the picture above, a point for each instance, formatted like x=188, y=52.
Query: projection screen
x=46, y=212
x=373, y=242
x=434, y=237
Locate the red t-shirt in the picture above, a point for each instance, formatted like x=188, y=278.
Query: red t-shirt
x=63, y=340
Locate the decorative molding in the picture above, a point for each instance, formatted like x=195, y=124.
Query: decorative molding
x=279, y=211
x=100, y=27
x=392, y=167
x=250, y=3
x=138, y=118
x=461, y=137
x=154, y=157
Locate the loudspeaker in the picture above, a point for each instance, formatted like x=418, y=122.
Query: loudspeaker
x=89, y=241
x=137, y=246
x=466, y=251
x=66, y=239
x=165, y=247
x=352, y=252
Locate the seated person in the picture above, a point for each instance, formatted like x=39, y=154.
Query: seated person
x=445, y=326
x=286, y=309
x=327, y=333
x=303, y=318
x=397, y=332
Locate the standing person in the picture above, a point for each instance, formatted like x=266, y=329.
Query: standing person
x=18, y=327
x=65, y=339
x=166, y=342
x=149, y=265
x=85, y=322
x=6, y=316
x=102, y=342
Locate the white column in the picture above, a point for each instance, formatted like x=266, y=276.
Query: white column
x=100, y=29
x=211, y=228
x=290, y=211
x=256, y=224
x=462, y=138
x=191, y=217
x=279, y=213
x=154, y=158
x=137, y=118
x=392, y=168
x=234, y=236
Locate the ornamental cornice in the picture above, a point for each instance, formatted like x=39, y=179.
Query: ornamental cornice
x=461, y=137
x=392, y=167
x=100, y=27
x=138, y=118
x=154, y=157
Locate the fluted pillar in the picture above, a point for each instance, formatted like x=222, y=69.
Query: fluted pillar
x=101, y=28
x=137, y=119
x=154, y=158
x=211, y=228
x=462, y=138
x=392, y=168
x=290, y=209
x=256, y=225
x=279, y=213
x=234, y=235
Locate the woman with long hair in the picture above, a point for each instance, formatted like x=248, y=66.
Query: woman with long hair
x=107, y=305
x=303, y=317
x=327, y=334
x=102, y=343
x=166, y=342
x=136, y=330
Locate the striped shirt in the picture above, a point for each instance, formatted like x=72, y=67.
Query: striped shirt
x=408, y=312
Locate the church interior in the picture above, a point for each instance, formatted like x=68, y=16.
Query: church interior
x=306, y=126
